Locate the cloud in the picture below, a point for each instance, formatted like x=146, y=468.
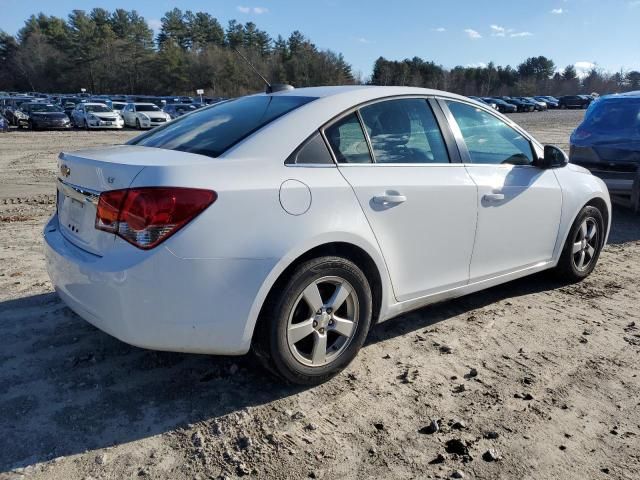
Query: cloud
x=476, y=65
x=558, y=11
x=583, y=68
x=521, y=34
x=472, y=34
x=497, y=31
x=363, y=40
x=254, y=10
x=442, y=29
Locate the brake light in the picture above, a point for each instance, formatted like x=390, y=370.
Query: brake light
x=145, y=217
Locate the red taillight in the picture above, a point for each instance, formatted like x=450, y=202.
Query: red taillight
x=147, y=216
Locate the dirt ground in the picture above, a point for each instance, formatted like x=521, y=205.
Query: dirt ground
x=529, y=380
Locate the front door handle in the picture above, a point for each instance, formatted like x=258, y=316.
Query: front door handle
x=493, y=197
x=389, y=199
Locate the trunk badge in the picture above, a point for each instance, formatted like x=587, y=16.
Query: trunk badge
x=64, y=170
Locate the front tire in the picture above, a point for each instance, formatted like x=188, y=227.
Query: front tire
x=583, y=246
x=138, y=126
x=314, y=326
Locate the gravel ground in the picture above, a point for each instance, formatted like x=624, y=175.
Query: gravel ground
x=531, y=380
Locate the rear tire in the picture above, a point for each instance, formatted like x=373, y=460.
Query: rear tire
x=583, y=246
x=314, y=326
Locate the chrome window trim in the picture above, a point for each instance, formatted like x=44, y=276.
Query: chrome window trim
x=356, y=109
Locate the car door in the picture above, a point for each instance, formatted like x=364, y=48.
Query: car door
x=421, y=206
x=519, y=204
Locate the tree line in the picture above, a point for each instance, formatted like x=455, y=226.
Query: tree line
x=535, y=76
x=117, y=52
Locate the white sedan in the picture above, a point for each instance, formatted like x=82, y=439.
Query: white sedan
x=95, y=115
x=143, y=115
x=292, y=222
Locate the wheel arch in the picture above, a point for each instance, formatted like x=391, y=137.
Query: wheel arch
x=370, y=263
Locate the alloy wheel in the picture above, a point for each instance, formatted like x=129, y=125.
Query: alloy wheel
x=323, y=321
x=585, y=244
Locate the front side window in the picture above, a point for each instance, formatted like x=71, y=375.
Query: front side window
x=404, y=131
x=489, y=140
x=347, y=140
x=211, y=131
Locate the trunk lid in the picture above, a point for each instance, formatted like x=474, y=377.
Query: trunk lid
x=84, y=174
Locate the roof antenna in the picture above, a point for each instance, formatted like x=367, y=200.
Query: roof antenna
x=276, y=87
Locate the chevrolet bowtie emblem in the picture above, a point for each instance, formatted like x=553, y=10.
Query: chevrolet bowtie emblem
x=64, y=170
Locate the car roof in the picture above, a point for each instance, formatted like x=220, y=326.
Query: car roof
x=144, y=103
x=370, y=92
x=94, y=103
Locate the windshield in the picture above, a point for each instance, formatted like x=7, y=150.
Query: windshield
x=43, y=107
x=213, y=130
x=97, y=108
x=118, y=106
x=184, y=108
x=146, y=108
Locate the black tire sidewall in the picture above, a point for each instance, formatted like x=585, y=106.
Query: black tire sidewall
x=566, y=264
x=283, y=360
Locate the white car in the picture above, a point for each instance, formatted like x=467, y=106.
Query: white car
x=292, y=222
x=144, y=115
x=95, y=115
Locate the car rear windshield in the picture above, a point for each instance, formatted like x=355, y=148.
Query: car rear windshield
x=213, y=130
x=613, y=115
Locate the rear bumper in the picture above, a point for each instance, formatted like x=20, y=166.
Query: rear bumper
x=155, y=299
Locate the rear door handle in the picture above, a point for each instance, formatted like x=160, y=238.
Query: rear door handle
x=493, y=197
x=389, y=199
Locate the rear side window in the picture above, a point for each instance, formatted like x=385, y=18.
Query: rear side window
x=347, y=140
x=211, y=131
x=489, y=139
x=404, y=131
x=313, y=152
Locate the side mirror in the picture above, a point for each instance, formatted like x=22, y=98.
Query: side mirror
x=554, y=157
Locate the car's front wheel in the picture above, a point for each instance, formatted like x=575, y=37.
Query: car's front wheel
x=316, y=323
x=583, y=246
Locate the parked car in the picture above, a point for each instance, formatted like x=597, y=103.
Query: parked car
x=574, y=101
x=40, y=115
x=96, y=115
x=11, y=110
x=607, y=143
x=501, y=105
x=176, y=110
x=539, y=105
x=118, y=106
x=552, y=103
x=184, y=251
x=491, y=103
x=519, y=104
x=144, y=115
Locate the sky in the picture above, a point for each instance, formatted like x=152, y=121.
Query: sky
x=453, y=32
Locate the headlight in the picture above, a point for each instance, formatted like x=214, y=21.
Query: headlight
x=93, y=117
x=144, y=117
